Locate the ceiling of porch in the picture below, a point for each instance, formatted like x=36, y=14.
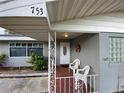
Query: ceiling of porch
x=70, y=35
x=62, y=10
x=108, y=22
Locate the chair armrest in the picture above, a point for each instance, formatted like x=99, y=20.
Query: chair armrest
x=80, y=70
x=70, y=65
x=85, y=70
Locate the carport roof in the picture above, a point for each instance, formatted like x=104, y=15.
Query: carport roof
x=17, y=16
x=84, y=16
x=15, y=38
x=35, y=27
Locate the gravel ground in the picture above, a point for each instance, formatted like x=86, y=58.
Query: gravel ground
x=24, y=85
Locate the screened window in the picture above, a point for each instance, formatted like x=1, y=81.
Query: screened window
x=25, y=49
x=116, y=49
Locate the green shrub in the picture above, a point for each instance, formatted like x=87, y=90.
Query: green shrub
x=121, y=91
x=2, y=58
x=39, y=63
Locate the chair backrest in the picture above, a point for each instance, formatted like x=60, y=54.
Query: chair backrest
x=76, y=63
x=86, y=69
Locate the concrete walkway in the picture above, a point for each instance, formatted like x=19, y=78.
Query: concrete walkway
x=23, y=75
x=24, y=85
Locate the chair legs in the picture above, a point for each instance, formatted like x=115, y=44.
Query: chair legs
x=85, y=83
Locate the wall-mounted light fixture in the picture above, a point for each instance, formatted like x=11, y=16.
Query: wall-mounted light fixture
x=66, y=35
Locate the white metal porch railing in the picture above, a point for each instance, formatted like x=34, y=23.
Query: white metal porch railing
x=67, y=85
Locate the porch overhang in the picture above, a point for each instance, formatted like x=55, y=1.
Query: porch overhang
x=109, y=22
x=93, y=16
x=63, y=10
x=87, y=16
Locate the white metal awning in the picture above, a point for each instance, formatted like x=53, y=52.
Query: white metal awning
x=62, y=10
x=35, y=27
x=35, y=18
x=27, y=17
x=87, y=16
x=109, y=22
x=15, y=37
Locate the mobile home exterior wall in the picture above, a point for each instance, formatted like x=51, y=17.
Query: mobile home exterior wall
x=111, y=73
x=17, y=61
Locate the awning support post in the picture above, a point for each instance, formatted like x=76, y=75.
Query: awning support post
x=52, y=62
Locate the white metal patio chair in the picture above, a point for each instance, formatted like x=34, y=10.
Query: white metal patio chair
x=81, y=74
x=74, y=65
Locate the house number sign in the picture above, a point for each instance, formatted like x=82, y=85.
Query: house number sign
x=36, y=10
x=32, y=8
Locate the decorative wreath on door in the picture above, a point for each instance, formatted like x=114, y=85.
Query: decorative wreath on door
x=78, y=48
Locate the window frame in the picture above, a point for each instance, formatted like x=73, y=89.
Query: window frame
x=34, y=47
x=110, y=53
x=26, y=49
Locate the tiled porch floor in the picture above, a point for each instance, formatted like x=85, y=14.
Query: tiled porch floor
x=63, y=71
x=61, y=87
